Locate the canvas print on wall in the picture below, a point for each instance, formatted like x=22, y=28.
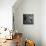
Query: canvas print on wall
x=28, y=19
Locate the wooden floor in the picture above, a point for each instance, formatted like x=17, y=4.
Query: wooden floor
x=9, y=43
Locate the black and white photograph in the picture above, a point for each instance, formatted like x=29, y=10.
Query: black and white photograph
x=28, y=19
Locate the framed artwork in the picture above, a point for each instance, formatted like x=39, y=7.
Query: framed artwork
x=28, y=19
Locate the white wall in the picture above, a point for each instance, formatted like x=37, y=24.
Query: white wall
x=43, y=22
x=6, y=13
x=30, y=31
